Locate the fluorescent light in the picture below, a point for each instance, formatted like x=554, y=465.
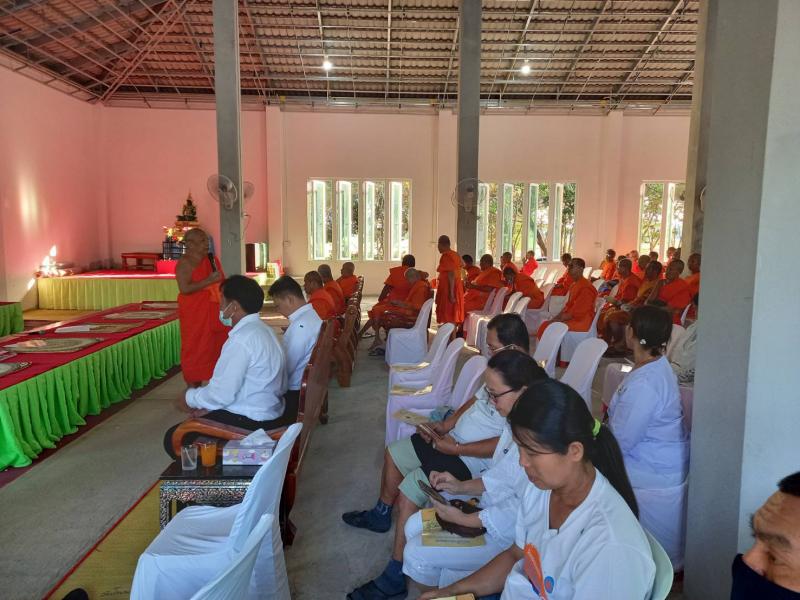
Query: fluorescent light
x=525, y=69
x=327, y=65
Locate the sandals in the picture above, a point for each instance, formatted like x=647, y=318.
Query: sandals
x=371, y=591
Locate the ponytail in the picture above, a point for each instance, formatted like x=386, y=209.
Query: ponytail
x=554, y=415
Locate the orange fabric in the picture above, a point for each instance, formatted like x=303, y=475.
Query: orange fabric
x=693, y=281
x=676, y=295
x=202, y=334
x=348, y=284
x=509, y=264
x=525, y=284
x=417, y=296
x=627, y=291
x=473, y=272
x=476, y=299
x=397, y=279
x=636, y=270
x=446, y=311
x=323, y=303
x=643, y=292
x=580, y=305
x=335, y=290
x=530, y=266
x=562, y=286
x=608, y=267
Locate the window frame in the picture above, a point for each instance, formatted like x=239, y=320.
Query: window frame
x=668, y=194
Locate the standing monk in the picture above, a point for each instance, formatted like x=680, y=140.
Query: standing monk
x=450, y=291
x=578, y=312
x=471, y=270
x=202, y=333
x=674, y=291
x=561, y=288
x=489, y=278
x=530, y=263
x=348, y=281
x=524, y=284
x=693, y=280
x=333, y=288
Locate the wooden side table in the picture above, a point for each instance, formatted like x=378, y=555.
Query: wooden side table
x=143, y=261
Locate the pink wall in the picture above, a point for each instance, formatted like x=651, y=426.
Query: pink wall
x=154, y=157
x=50, y=181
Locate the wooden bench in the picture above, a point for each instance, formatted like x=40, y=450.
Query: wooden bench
x=344, y=350
x=313, y=396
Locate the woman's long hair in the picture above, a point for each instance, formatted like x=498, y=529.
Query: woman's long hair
x=554, y=415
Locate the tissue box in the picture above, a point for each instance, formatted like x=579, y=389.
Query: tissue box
x=233, y=453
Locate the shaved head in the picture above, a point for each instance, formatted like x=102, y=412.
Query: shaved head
x=325, y=272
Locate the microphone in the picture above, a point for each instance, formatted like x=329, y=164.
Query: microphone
x=211, y=254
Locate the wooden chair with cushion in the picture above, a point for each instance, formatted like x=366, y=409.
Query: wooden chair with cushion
x=344, y=350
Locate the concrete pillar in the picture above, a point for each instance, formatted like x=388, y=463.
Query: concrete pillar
x=746, y=411
x=277, y=223
x=610, y=188
x=469, y=110
x=227, y=89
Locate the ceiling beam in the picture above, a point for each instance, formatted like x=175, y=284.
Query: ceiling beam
x=585, y=44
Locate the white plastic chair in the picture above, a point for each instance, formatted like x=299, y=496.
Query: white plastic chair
x=471, y=321
x=233, y=582
x=410, y=345
x=552, y=275
x=664, y=573
x=409, y=374
x=598, y=283
x=574, y=338
x=583, y=366
x=535, y=316
x=423, y=396
x=547, y=349
x=481, y=326
x=684, y=313
x=467, y=383
x=593, y=273
x=677, y=333
x=199, y=541
x=587, y=272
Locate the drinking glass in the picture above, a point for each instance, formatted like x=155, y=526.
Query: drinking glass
x=208, y=452
x=189, y=457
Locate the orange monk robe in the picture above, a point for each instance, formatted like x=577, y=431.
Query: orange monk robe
x=417, y=296
x=335, y=290
x=627, y=291
x=527, y=286
x=562, y=286
x=323, y=303
x=509, y=264
x=400, y=288
x=202, y=333
x=348, y=284
x=447, y=311
x=530, y=266
x=472, y=272
x=608, y=268
x=676, y=295
x=693, y=281
x=636, y=270
x=476, y=299
x=580, y=306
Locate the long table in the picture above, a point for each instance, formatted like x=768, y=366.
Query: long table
x=10, y=318
x=48, y=400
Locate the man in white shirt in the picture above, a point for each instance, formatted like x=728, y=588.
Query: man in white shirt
x=301, y=335
x=249, y=380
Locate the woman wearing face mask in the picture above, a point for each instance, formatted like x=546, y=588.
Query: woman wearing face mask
x=508, y=376
x=576, y=535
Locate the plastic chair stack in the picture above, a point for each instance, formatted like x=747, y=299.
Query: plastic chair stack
x=423, y=371
x=410, y=345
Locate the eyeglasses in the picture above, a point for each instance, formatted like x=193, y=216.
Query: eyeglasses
x=493, y=397
x=506, y=347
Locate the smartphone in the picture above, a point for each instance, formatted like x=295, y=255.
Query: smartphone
x=431, y=493
x=429, y=430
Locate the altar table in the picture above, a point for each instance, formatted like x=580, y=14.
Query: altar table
x=10, y=318
x=48, y=400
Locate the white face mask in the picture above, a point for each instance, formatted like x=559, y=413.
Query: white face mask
x=227, y=321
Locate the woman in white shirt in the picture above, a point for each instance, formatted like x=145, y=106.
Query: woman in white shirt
x=646, y=417
x=508, y=375
x=576, y=535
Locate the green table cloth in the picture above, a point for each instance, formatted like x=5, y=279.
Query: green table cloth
x=37, y=412
x=87, y=292
x=10, y=318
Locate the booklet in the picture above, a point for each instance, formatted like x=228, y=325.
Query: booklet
x=434, y=535
x=406, y=416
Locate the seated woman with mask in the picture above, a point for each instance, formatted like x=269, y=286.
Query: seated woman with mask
x=577, y=536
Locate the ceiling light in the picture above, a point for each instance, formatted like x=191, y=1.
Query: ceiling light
x=525, y=69
x=327, y=65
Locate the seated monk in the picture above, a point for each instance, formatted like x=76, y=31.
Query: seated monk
x=530, y=263
x=640, y=264
x=563, y=283
x=674, y=291
x=395, y=287
x=520, y=282
x=249, y=380
x=608, y=267
x=693, y=280
x=672, y=254
x=333, y=288
x=348, y=281
x=401, y=313
x=507, y=260
x=614, y=321
x=470, y=268
x=626, y=291
x=489, y=279
x=318, y=296
x=578, y=312
x=654, y=258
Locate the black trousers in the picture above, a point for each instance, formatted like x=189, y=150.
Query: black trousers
x=225, y=417
x=432, y=460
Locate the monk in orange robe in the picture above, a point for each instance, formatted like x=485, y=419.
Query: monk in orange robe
x=202, y=333
x=693, y=280
x=530, y=263
x=489, y=279
x=609, y=266
x=640, y=264
x=470, y=268
x=348, y=281
x=507, y=260
x=450, y=291
x=395, y=287
x=578, y=312
x=402, y=313
x=520, y=282
x=674, y=291
x=614, y=321
x=563, y=283
x=626, y=291
x=318, y=296
x=333, y=288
